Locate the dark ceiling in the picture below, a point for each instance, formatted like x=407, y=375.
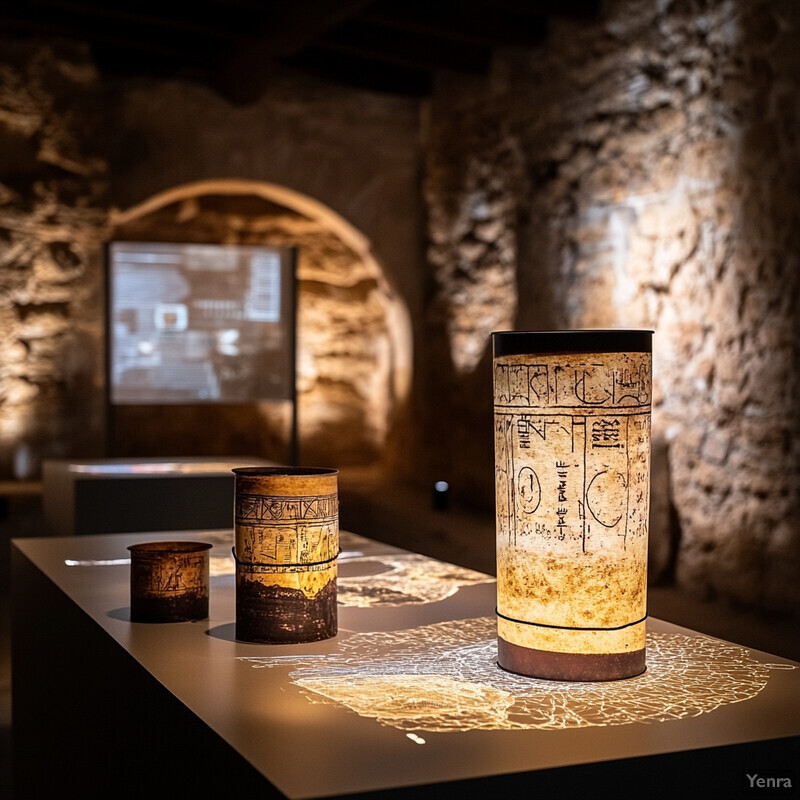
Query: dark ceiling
x=392, y=46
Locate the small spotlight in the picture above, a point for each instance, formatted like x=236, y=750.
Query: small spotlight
x=440, y=490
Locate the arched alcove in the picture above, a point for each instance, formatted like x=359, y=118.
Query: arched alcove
x=353, y=332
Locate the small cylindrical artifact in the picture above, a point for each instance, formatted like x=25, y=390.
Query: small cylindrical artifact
x=169, y=581
x=572, y=475
x=287, y=545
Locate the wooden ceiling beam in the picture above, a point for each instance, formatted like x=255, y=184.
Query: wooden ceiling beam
x=120, y=46
x=364, y=73
x=574, y=9
x=93, y=18
x=287, y=28
x=416, y=51
x=473, y=23
x=237, y=45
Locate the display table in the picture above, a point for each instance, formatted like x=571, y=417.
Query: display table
x=115, y=495
x=406, y=698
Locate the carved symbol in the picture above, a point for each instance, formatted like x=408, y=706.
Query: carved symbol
x=529, y=490
x=605, y=496
x=587, y=392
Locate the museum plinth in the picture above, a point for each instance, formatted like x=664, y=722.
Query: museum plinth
x=406, y=700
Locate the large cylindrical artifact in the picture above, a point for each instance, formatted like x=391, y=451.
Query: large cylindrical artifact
x=169, y=581
x=287, y=545
x=572, y=474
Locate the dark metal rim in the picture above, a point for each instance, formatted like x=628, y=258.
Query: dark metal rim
x=622, y=340
x=156, y=548
x=556, y=666
x=283, y=472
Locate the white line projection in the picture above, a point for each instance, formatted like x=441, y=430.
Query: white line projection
x=408, y=579
x=400, y=579
x=444, y=677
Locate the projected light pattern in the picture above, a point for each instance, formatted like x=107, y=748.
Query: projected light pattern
x=444, y=677
x=406, y=579
x=155, y=468
x=221, y=565
x=217, y=565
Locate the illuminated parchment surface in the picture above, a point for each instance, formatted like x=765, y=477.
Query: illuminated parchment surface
x=287, y=541
x=444, y=677
x=572, y=461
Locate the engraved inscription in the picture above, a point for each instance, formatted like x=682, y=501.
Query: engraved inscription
x=250, y=508
x=572, y=383
x=287, y=533
x=572, y=456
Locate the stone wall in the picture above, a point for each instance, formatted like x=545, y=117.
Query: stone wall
x=81, y=155
x=662, y=154
x=353, y=153
x=52, y=218
x=345, y=364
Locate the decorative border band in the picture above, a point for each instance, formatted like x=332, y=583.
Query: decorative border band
x=568, y=627
x=284, y=566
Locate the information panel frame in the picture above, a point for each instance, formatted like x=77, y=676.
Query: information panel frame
x=254, y=285
x=199, y=323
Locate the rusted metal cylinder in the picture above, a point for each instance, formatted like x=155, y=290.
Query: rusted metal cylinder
x=287, y=545
x=169, y=581
x=572, y=475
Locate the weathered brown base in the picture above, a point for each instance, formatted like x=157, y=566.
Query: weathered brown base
x=569, y=666
x=277, y=615
x=181, y=608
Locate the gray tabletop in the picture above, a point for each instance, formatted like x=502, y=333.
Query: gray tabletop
x=409, y=693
